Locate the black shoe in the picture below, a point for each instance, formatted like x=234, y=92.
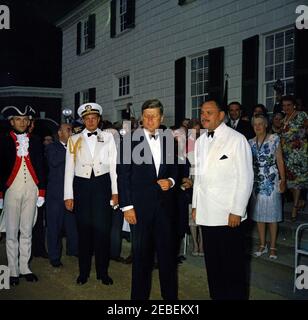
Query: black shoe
x=128, y=260
x=72, y=255
x=180, y=259
x=56, y=263
x=30, y=277
x=82, y=280
x=106, y=280
x=118, y=259
x=14, y=281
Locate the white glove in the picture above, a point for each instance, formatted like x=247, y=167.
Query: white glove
x=40, y=201
x=1, y=203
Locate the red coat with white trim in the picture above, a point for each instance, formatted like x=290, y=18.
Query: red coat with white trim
x=10, y=162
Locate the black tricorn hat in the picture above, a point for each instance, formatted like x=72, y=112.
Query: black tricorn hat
x=11, y=111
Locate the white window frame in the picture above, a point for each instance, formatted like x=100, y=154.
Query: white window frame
x=189, y=97
x=121, y=16
x=120, y=83
x=84, y=36
x=85, y=96
x=262, y=53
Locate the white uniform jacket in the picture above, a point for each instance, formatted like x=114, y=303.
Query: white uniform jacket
x=80, y=163
x=223, y=176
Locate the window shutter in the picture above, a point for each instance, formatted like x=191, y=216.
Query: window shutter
x=301, y=65
x=180, y=90
x=92, y=94
x=216, y=74
x=91, y=42
x=113, y=12
x=130, y=21
x=250, y=68
x=77, y=104
x=78, y=50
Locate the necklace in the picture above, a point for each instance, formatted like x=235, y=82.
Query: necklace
x=260, y=146
x=286, y=121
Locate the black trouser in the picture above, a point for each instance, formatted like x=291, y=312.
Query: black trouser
x=224, y=253
x=116, y=234
x=148, y=237
x=58, y=218
x=93, y=212
x=38, y=233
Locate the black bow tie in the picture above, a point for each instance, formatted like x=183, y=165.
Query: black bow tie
x=211, y=134
x=90, y=133
x=155, y=136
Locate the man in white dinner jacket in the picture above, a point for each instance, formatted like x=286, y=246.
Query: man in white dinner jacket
x=222, y=187
x=90, y=185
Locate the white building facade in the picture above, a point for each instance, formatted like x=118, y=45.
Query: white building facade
x=123, y=51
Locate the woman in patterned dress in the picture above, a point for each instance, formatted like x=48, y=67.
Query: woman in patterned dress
x=295, y=148
x=269, y=182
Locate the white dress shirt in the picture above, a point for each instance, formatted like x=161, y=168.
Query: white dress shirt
x=91, y=141
x=63, y=144
x=155, y=148
x=234, y=123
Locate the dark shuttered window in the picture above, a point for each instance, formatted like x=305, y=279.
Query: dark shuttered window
x=113, y=14
x=77, y=103
x=180, y=90
x=91, y=31
x=122, y=16
x=250, y=69
x=301, y=65
x=78, y=50
x=92, y=95
x=216, y=74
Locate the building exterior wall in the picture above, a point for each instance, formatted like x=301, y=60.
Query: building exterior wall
x=164, y=32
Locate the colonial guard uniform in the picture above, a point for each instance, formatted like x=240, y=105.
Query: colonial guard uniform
x=22, y=185
x=90, y=184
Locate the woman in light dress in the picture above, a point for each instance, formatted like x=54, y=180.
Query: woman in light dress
x=269, y=183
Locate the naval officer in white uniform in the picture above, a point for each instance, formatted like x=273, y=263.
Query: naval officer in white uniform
x=89, y=187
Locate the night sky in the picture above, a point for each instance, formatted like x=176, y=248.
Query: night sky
x=50, y=10
x=33, y=45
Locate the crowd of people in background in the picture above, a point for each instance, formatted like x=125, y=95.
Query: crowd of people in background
x=279, y=147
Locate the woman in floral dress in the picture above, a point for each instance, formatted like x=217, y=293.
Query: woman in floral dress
x=269, y=182
x=295, y=148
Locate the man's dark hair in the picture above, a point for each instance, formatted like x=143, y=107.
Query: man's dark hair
x=218, y=105
x=151, y=104
x=261, y=106
x=61, y=124
x=235, y=102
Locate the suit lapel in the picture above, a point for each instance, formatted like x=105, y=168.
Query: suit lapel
x=163, y=156
x=215, y=149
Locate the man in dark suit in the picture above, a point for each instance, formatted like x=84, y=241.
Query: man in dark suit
x=236, y=123
x=58, y=218
x=146, y=179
